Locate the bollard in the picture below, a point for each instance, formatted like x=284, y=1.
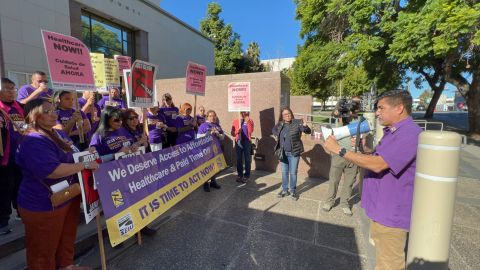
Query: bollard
x=438, y=157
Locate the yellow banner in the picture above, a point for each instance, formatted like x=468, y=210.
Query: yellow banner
x=131, y=220
x=112, y=78
x=98, y=67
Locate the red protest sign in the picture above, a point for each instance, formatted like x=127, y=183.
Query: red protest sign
x=68, y=62
x=124, y=62
x=141, y=90
x=196, y=76
x=239, y=97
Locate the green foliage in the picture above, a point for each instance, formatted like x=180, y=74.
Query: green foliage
x=229, y=58
x=103, y=40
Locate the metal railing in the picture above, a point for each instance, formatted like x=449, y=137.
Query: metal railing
x=424, y=124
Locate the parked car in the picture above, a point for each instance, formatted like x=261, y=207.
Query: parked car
x=421, y=108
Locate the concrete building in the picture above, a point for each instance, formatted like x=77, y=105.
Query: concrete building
x=278, y=64
x=139, y=28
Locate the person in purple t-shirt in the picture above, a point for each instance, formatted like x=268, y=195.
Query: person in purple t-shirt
x=210, y=127
x=37, y=89
x=69, y=118
x=47, y=164
x=185, y=124
x=91, y=109
x=170, y=112
x=388, y=183
x=132, y=125
x=112, y=100
x=156, y=128
x=110, y=136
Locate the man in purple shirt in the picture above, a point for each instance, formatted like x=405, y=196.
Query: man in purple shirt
x=388, y=183
x=37, y=89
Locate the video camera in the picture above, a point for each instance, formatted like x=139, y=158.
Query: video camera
x=345, y=109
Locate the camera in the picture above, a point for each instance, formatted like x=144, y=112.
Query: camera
x=346, y=108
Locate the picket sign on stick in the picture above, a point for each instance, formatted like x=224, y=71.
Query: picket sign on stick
x=100, y=243
x=79, y=123
x=195, y=77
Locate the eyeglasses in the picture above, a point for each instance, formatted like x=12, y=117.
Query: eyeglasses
x=133, y=118
x=51, y=111
x=117, y=120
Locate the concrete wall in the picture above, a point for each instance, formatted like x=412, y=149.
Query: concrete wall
x=270, y=92
x=301, y=104
x=171, y=43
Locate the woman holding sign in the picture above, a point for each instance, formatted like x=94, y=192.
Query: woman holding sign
x=47, y=166
x=242, y=130
x=111, y=137
x=91, y=109
x=185, y=124
x=170, y=112
x=68, y=118
x=211, y=127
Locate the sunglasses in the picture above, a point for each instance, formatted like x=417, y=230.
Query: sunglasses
x=44, y=81
x=117, y=120
x=133, y=118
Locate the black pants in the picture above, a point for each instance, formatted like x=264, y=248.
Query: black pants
x=171, y=139
x=10, y=177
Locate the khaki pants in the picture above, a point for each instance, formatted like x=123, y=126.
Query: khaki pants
x=50, y=236
x=339, y=166
x=389, y=246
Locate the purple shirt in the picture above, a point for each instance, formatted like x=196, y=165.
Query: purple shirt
x=120, y=103
x=27, y=90
x=244, y=133
x=170, y=114
x=97, y=110
x=387, y=196
x=38, y=156
x=65, y=115
x=15, y=136
x=207, y=126
x=200, y=120
x=112, y=142
x=155, y=135
x=186, y=136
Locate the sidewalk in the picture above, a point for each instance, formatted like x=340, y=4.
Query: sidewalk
x=248, y=227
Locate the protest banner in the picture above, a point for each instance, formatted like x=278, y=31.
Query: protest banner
x=196, y=75
x=90, y=198
x=68, y=62
x=239, y=97
x=112, y=78
x=135, y=191
x=122, y=155
x=141, y=90
x=98, y=67
x=124, y=62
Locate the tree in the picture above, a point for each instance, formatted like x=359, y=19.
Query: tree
x=229, y=58
x=440, y=39
x=425, y=97
x=342, y=42
x=102, y=40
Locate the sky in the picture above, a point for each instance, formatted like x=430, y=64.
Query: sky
x=270, y=23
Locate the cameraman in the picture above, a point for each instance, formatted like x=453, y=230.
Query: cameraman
x=345, y=113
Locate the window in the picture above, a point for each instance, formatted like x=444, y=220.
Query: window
x=106, y=37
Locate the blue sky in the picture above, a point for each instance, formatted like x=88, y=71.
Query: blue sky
x=271, y=23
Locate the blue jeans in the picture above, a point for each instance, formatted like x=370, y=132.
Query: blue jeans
x=243, y=149
x=289, y=168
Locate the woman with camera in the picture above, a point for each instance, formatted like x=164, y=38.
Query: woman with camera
x=288, y=132
x=210, y=126
x=47, y=166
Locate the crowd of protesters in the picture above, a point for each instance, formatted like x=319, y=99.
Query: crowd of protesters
x=41, y=129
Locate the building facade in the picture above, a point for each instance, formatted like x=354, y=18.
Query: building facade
x=138, y=28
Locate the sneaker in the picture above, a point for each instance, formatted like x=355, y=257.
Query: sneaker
x=18, y=218
x=206, y=187
x=283, y=193
x=347, y=211
x=5, y=230
x=327, y=206
x=239, y=179
x=294, y=196
x=215, y=185
x=245, y=179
